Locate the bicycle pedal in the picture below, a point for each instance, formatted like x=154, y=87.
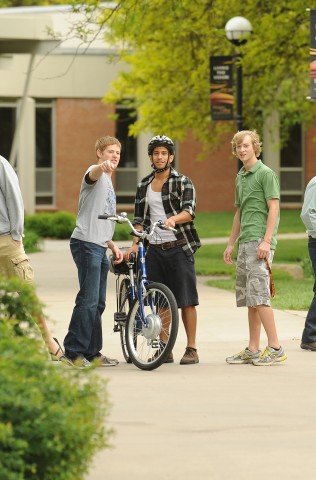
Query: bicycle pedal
x=116, y=328
x=120, y=317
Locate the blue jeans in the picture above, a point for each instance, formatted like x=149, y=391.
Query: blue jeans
x=84, y=335
x=309, y=332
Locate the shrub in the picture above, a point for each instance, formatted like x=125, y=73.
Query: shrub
x=59, y=225
x=39, y=223
x=62, y=224
x=51, y=417
x=122, y=232
x=53, y=225
x=31, y=241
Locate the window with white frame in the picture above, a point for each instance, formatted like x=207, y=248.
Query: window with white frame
x=44, y=174
x=45, y=195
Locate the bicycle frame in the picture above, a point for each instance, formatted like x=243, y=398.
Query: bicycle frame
x=147, y=312
x=137, y=290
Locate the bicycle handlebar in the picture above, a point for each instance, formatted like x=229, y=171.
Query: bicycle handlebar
x=122, y=218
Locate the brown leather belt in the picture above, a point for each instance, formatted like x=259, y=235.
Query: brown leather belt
x=168, y=245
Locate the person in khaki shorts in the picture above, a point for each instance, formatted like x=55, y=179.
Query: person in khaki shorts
x=13, y=260
x=255, y=226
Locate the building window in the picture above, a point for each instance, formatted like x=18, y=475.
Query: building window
x=44, y=154
x=292, y=169
x=7, y=126
x=44, y=174
x=126, y=174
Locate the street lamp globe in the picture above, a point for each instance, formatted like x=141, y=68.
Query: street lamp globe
x=238, y=30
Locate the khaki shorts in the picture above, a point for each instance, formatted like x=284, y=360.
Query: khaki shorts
x=13, y=260
x=252, y=276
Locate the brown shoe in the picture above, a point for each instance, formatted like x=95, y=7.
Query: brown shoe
x=169, y=359
x=309, y=346
x=190, y=357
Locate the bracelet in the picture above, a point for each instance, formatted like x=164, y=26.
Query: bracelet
x=267, y=241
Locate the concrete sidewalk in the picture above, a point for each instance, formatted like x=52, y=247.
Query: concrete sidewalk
x=205, y=421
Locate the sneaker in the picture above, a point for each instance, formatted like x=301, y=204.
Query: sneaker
x=270, y=356
x=103, y=361
x=65, y=360
x=245, y=356
x=190, y=356
x=79, y=362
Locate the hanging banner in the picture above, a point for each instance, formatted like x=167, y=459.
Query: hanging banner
x=312, y=57
x=221, y=95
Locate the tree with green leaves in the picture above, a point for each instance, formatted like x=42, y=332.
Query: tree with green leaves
x=167, y=44
x=167, y=47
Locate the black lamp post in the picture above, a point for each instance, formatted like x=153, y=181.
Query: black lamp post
x=238, y=30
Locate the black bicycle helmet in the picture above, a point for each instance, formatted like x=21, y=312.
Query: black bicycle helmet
x=161, y=141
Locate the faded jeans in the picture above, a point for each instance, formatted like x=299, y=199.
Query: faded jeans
x=84, y=335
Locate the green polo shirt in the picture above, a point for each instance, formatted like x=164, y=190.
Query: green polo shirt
x=253, y=188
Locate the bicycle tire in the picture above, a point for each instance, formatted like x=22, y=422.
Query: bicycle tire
x=124, y=307
x=144, y=345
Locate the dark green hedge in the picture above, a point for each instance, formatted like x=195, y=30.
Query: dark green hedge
x=52, y=417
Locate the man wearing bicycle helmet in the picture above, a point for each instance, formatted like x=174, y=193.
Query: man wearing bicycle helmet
x=167, y=195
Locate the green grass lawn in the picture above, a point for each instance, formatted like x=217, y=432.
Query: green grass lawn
x=291, y=294
x=218, y=224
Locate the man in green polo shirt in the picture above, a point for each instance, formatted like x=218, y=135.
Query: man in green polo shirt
x=255, y=226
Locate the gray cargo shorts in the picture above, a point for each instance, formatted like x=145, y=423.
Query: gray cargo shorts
x=252, y=276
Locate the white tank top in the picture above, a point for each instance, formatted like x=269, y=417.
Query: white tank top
x=157, y=212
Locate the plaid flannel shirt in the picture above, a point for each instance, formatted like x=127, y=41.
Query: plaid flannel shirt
x=178, y=195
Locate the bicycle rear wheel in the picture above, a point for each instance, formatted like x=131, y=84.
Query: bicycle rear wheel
x=124, y=304
x=149, y=342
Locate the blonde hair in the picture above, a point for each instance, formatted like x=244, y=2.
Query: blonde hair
x=239, y=136
x=103, y=142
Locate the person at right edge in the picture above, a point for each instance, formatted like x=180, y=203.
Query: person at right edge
x=255, y=226
x=169, y=196
x=308, y=216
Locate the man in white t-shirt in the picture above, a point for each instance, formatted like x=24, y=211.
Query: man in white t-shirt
x=88, y=245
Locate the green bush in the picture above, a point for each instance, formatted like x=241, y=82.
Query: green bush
x=52, y=418
x=31, y=241
x=39, y=223
x=52, y=225
x=122, y=232
x=62, y=224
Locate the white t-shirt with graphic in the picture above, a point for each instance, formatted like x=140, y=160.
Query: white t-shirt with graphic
x=95, y=199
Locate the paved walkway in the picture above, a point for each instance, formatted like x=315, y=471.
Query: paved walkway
x=209, y=421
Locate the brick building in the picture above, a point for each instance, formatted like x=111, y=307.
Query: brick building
x=51, y=110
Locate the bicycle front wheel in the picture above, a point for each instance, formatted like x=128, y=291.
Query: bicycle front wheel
x=124, y=304
x=149, y=340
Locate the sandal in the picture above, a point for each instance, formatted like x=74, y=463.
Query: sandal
x=54, y=356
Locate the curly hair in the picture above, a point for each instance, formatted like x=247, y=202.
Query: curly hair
x=238, y=138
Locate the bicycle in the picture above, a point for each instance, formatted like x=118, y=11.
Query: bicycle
x=147, y=312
